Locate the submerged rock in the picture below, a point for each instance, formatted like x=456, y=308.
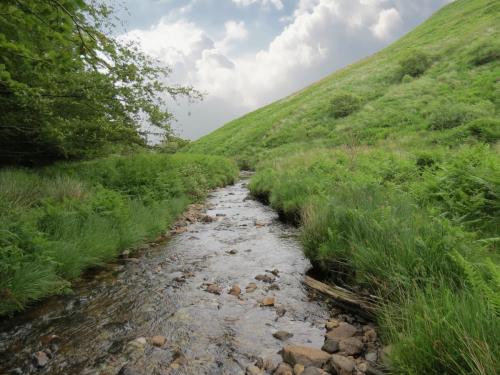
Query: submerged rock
x=40, y=359
x=158, y=341
x=267, y=301
x=235, y=290
x=282, y=335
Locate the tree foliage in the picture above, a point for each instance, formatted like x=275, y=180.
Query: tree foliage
x=67, y=88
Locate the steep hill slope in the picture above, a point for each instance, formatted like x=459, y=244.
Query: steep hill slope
x=461, y=42
x=392, y=168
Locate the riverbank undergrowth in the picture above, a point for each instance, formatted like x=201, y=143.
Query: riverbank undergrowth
x=58, y=221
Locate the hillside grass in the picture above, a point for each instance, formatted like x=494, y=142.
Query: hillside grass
x=391, y=166
x=58, y=221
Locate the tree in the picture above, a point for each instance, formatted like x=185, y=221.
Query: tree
x=70, y=90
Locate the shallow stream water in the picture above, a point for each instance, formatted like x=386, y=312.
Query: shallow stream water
x=101, y=328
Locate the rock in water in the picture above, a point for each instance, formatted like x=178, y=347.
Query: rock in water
x=253, y=370
x=40, y=359
x=307, y=356
x=158, y=341
x=251, y=288
x=282, y=335
x=214, y=289
x=267, y=301
x=235, y=290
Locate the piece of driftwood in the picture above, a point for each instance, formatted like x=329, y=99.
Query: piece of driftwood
x=348, y=300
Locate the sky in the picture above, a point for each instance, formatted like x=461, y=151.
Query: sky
x=243, y=54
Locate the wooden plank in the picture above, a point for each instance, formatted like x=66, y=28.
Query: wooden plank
x=344, y=298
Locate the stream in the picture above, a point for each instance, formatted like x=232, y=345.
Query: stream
x=171, y=291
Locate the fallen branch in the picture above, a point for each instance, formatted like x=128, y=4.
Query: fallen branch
x=347, y=300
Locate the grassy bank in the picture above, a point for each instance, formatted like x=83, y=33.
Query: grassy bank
x=57, y=221
x=391, y=166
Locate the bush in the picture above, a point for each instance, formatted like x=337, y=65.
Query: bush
x=485, y=53
x=344, y=104
x=415, y=64
x=451, y=115
x=485, y=129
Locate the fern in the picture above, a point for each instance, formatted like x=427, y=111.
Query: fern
x=489, y=287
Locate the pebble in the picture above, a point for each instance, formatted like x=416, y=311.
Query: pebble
x=235, y=290
x=40, y=359
x=307, y=356
x=158, y=341
x=282, y=335
x=330, y=346
x=267, y=301
x=251, y=288
x=351, y=346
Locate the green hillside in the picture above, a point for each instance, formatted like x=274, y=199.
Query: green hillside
x=391, y=166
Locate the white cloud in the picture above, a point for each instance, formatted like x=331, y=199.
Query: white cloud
x=320, y=36
x=389, y=21
x=278, y=4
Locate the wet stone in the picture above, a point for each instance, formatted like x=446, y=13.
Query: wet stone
x=267, y=301
x=282, y=335
x=40, y=359
x=351, y=346
x=331, y=324
x=265, y=278
x=371, y=356
x=284, y=369
x=314, y=371
x=331, y=346
x=293, y=354
x=253, y=370
x=235, y=290
x=343, y=331
x=214, y=289
x=251, y=288
x=340, y=365
x=158, y=341
x=280, y=311
x=298, y=369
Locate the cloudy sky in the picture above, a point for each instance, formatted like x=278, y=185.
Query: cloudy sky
x=244, y=54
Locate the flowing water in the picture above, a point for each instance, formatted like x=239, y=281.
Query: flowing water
x=101, y=328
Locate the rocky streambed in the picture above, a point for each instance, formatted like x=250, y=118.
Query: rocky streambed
x=224, y=295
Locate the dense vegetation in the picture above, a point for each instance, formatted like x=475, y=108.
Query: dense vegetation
x=57, y=221
x=70, y=91
x=67, y=89
x=392, y=168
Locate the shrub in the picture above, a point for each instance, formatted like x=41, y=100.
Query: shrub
x=485, y=129
x=485, y=53
x=451, y=115
x=415, y=64
x=344, y=104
